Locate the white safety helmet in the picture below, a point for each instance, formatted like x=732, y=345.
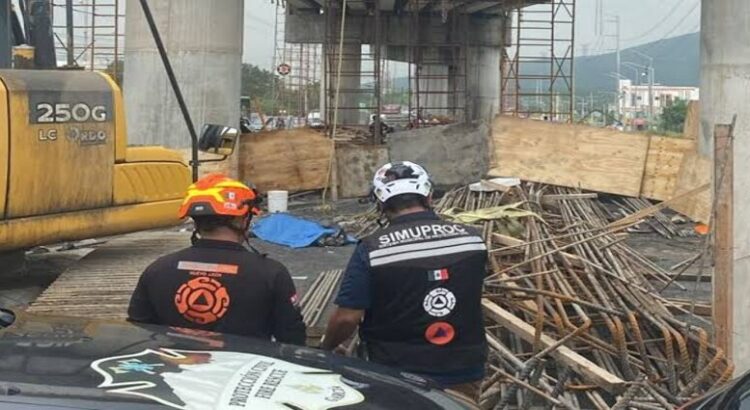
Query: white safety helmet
x=398, y=178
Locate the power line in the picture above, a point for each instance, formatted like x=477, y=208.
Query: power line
x=676, y=26
x=659, y=24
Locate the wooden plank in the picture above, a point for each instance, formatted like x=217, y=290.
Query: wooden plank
x=695, y=171
x=691, y=128
x=579, y=364
x=570, y=155
x=292, y=160
x=723, y=295
x=663, y=161
x=700, y=309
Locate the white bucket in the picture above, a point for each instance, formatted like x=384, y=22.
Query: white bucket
x=277, y=201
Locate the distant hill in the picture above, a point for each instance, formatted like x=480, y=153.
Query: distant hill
x=676, y=60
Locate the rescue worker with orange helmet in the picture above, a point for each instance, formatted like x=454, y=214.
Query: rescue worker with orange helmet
x=217, y=284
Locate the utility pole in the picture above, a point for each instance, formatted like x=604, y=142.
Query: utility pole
x=651, y=79
x=617, y=39
x=651, y=75
x=616, y=20
x=583, y=108
x=69, y=27
x=617, y=101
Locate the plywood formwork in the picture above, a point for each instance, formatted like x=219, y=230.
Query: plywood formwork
x=694, y=171
x=570, y=155
x=663, y=163
x=603, y=160
x=293, y=160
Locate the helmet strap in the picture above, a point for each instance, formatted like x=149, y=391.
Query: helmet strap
x=382, y=219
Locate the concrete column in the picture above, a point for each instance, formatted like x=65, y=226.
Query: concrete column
x=351, y=66
x=725, y=91
x=484, y=83
x=204, y=41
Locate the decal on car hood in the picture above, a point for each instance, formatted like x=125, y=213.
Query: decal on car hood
x=196, y=380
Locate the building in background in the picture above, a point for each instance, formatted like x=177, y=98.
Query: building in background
x=634, y=99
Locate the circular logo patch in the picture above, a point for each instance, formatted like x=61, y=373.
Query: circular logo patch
x=440, y=333
x=439, y=302
x=202, y=300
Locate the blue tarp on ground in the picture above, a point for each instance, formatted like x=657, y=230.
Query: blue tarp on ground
x=289, y=230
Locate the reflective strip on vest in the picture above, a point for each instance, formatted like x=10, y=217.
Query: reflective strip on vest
x=426, y=250
x=424, y=245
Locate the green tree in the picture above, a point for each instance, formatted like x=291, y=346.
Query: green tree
x=115, y=70
x=258, y=84
x=673, y=117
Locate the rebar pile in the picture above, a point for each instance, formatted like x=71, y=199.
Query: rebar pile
x=360, y=225
x=658, y=222
x=575, y=318
x=318, y=297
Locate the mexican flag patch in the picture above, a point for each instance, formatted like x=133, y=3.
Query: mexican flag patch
x=435, y=275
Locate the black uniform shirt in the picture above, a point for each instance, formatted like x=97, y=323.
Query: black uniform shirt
x=416, y=288
x=222, y=287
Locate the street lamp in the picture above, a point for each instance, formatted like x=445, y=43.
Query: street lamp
x=637, y=71
x=651, y=76
x=618, y=98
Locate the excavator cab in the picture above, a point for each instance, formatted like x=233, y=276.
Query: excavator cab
x=218, y=139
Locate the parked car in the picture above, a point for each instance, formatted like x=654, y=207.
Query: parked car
x=314, y=120
x=49, y=362
x=251, y=124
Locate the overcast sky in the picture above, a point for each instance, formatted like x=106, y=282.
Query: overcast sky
x=642, y=21
x=259, y=31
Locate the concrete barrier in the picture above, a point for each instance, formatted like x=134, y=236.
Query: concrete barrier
x=455, y=154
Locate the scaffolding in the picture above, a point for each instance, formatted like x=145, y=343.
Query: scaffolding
x=536, y=65
x=353, y=70
x=298, y=92
x=438, y=80
x=433, y=53
x=98, y=34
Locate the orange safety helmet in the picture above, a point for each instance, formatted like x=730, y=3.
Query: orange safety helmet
x=217, y=194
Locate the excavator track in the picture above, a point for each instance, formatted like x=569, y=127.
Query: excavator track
x=100, y=284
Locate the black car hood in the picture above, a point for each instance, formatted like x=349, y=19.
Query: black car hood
x=63, y=362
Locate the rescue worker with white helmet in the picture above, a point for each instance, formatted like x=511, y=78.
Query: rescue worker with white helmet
x=414, y=287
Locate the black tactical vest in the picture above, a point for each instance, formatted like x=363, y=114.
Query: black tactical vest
x=426, y=279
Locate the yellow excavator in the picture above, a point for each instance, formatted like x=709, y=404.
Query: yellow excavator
x=66, y=170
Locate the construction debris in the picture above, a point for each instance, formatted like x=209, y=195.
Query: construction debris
x=658, y=222
x=361, y=224
x=574, y=315
x=575, y=318
x=318, y=296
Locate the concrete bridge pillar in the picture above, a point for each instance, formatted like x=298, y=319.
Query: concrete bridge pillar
x=349, y=88
x=204, y=41
x=725, y=92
